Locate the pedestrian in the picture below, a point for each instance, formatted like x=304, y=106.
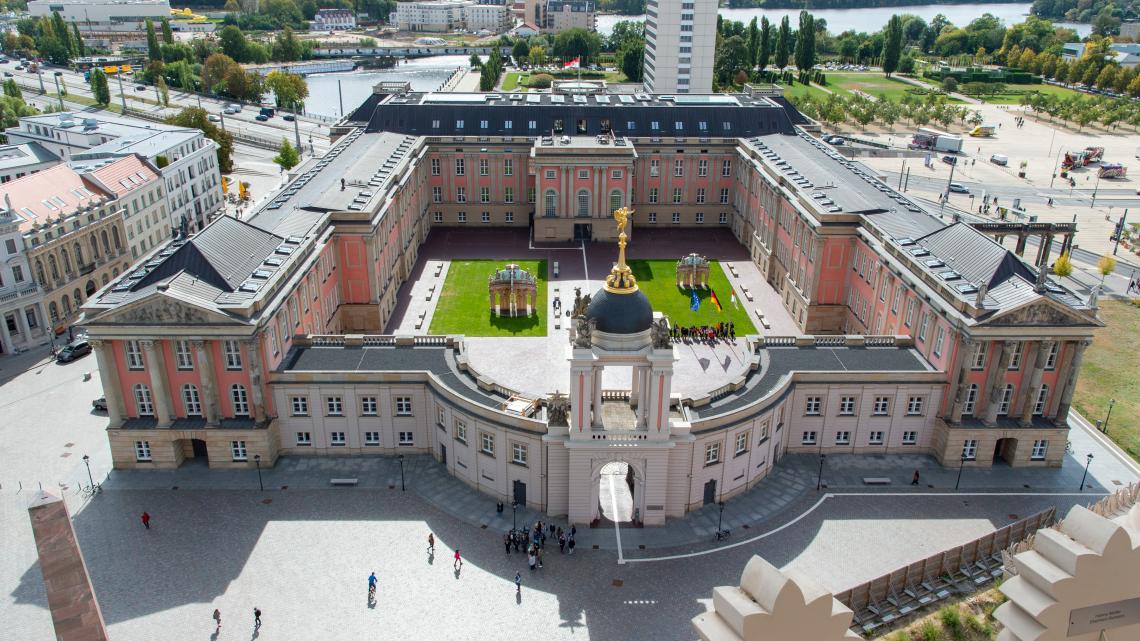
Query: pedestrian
x=573, y=531
x=458, y=561
x=561, y=543
x=531, y=560
x=218, y=618
x=518, y=582
x=431, y=543
x=256, y=619
x=570, y=544
x=507, y=542
x=914, y=481
x=146, y=520
x=538, y=556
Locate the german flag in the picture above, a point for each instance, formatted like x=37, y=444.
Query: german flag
x=715, y=300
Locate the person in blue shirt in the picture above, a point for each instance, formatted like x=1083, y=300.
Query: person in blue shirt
x=372, y=584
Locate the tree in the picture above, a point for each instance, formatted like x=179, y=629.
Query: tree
x=99, y=87
x=152, y=50
x=12, y=90
x=167, y=34
x=475, y=61
x=289, y=88
x=949, y=84
x=1063, y=266
x=1106, y=265
x=892, y=48
x=232, y=6
x=233, y=43
x=243, y=85
x=753, y=42
x=537, y=56
x=805, y=43
x=631, y=61
x=286, y=46
x=577, y=43
x=521, y=50
x=765, y=43
x=193, y=117
x=80, y=48
x=214, y=71
x=287, y=155
x=782, y=44
x=731, y=56
x=163, y=91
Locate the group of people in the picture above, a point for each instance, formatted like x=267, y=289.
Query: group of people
x=705, y=333
x=533, y=541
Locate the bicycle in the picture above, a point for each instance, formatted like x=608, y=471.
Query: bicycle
x=90, y=490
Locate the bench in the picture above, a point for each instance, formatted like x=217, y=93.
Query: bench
x=420, y=320
x=876, y=480
x=343, y=481
x=747, y=294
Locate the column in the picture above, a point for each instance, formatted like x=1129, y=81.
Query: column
x=156, y=367
x=635, y=387
x=1029, y=394
x=597, y=378
x=208, y=379
x=257, y=394
x=1019, y=249
x=1070, y=383
x=109, y=376
x=958, y=383
x=1044, y=249
x=5, y=337
x=995, y=383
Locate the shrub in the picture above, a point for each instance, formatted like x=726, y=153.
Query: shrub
x=951, y=620
x=928, y=631
x=540, y=81
x=949, y=84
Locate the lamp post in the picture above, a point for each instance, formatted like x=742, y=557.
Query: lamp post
x=961, y=465
x=1088, y=462
x=122, y=93
x=401, y=459
x=90, y=479
x=58, y=91
x=819, y=479
x=514, y=523
x=1111, y=402
x=720, y=521
x=1095, y=188
x=257, y=461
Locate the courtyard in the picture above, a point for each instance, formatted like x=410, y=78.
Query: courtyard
x=463, y=306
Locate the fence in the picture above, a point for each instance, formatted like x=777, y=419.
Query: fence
x=960, y=569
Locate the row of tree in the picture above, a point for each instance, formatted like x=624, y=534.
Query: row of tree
x=1084, y=110
x=915, y=109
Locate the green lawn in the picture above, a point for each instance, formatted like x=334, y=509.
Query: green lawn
x=1013, y=93
x=510, y=81
x=658, y=279
x=464, y=305
x=874, y=84
x=799, y=90
x=1111, y=371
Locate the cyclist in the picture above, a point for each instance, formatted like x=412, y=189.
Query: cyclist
x=372, y=585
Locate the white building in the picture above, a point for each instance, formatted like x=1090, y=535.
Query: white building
x=137, y=186
x=680, y=43
x=21, y=300
x=495, y=18
x=437, y=16
x=103, y=16
x=333, y=20
x=552, y=16
x=185, y=158
x=17, y=161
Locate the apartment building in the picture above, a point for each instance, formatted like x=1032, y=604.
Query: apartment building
x=136, y=184
x=680, y=45
x=433, y=16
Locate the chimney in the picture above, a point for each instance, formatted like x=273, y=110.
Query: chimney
x=1041, y=273
x=980, y=300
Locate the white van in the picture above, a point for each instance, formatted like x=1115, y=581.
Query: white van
x=999, y=159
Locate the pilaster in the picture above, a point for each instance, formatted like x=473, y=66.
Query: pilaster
x=257, y=394
x=1074, y=370
x=995, y=383
x=208, y=380
x=1029, y=394
x=156, y=367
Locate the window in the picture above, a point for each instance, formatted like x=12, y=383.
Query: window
x=461, y=432
x=812, y=406
x=240, y=400
x=233, y=354
x=970, y=449
x=922, y=327
x=1039, y=405
x=895, y=302
x=300, y=405
x=406, y=439
x=914, y=406
x=460, y=194
x=372, y=439
x=509, y=217
x=971, y=399
x=724, y=196
x=842, y=437
x=615, y=174
x=437, y=217
x=678, y=167
x=508, y=167
x=980, y=353
x=702, y=167
x=910, y=438
x=1006, y=399
x=134, y=355
x=550, y=174
x=191, y=401
x=143, y=400
x=336, y=439
x=368, y=406
x=652, y=217
x=741, y=443
x=700, y=195
x=909, y=312
x=484, y=167
x=808, y=438
x=654, y=167
x=723, y=219
x=1039, y=449
x=875, y=438
x=882, y=406
x=712, y=453
x=459, y=169
x=549, y=197
x=440, y=418
x=652, y=195
x=238, y=451
x=461, y=217
x=676, y=195
x=676, y=218
x=484, y=194
x=700, y=218
x=1015, y=360
x=334, y=406
x=485, y=217
x=437, y=194
x=518, y=453
x=182, y=355
x=1051, y=360
x=615, y=200
x=847, y=406
x=939, y=336
x=403, y=406
x=583, y=203
x=142, y=451
x=435, y=166
x=304, y=439
x=508, y=195
x=486, y=443
x=726, y=168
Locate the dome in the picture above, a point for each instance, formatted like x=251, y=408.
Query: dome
x=620, y=313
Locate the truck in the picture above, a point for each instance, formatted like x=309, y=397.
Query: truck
x=926, y=138
x=267, y=112
x=1093, y=154
x=984, y=131
x=1112, y=170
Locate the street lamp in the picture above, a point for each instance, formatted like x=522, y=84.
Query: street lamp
x=720, y=533
x=961, y=465
x=257, y=461
x=514, y=524
x=401, y=459
x=87, y=462
x=819, y=479
x=58, y=91
x=1089, y=459
x=1111, y=402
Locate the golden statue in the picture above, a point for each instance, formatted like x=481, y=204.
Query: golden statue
x=620, y=279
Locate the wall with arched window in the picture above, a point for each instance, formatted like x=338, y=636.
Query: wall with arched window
x=550, y=203
x=582, y=206
x=115, y=236
x=239, y=401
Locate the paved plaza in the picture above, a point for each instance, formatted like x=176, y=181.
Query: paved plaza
x=301, y=552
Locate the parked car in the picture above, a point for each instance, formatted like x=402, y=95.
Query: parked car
x=999, y=159
x=140, y=87
x=73, y=350
x=950, y=160
x=261, y=117
x=838, y=141
x=959, y=188
x=7, y=74
x=289, y=117
x=99, y=404
x=214, y=118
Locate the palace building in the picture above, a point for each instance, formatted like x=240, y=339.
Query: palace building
x=267, y=337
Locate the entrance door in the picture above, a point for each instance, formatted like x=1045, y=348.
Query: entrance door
x=710, y=492
x=520, y=492
x=443, y=454
x=1005, y=450
x=200, y=450
x=583, y=231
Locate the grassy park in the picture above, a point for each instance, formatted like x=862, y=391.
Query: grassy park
x=464, y=306
x=873, y=84
x=658, y=279
x=1111, y=372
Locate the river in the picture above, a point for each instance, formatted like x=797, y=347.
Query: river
x=425, y=74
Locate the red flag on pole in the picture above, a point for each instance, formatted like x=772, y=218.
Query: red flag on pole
x=573, y=64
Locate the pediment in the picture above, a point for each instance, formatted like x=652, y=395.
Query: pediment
x=1038, y=314
x=161, y=309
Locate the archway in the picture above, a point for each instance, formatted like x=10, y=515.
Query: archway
x=1005, y=451
x=617, y=492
